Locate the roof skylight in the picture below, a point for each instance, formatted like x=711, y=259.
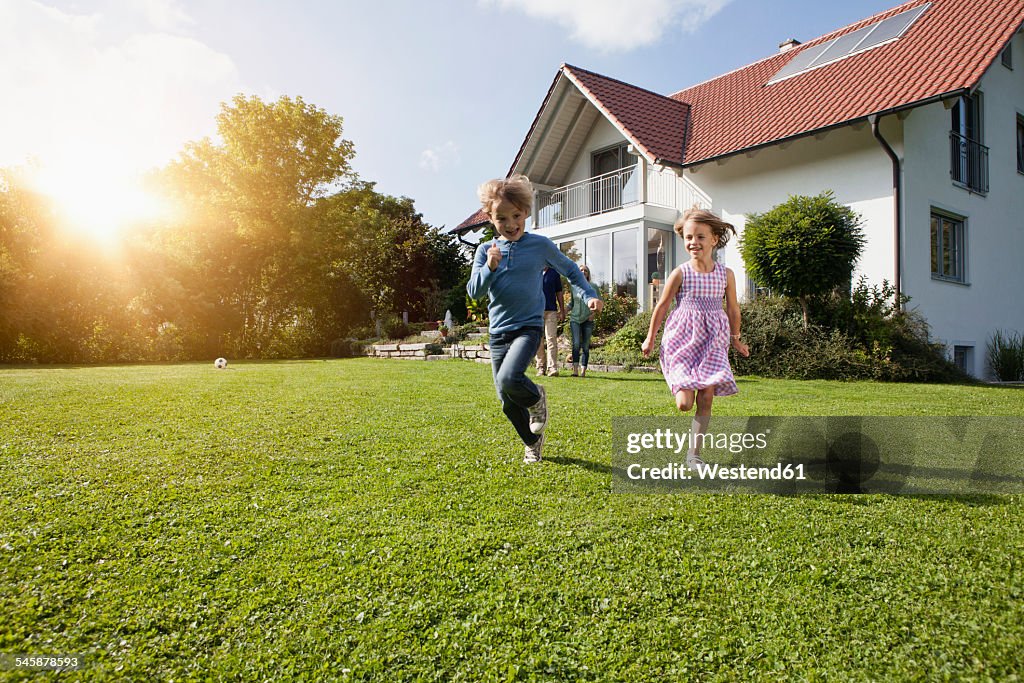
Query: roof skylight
x=849, y=44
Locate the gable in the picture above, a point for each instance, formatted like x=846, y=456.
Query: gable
x=580, y=100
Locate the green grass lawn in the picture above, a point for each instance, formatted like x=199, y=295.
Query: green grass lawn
x=372, y=520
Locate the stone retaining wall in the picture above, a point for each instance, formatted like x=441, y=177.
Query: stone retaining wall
x=423, y=351
x=481, y=353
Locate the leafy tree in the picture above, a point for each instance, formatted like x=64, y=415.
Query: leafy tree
x=804, y=247
x=395, y=260
x=250, y=237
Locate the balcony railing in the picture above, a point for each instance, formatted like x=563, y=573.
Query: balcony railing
x=665, y=188
x=968, y=163
x=613, y=191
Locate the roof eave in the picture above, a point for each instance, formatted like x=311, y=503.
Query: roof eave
x=815, y=131
x=536, y=121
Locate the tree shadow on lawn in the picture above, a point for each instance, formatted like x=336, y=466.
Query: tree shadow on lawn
x=632, y=377
x=646, y=376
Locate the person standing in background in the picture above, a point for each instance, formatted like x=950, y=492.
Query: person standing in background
x=581, y=322
x=554, y=315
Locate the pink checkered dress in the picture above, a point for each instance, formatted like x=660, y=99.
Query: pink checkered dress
x=695, y=346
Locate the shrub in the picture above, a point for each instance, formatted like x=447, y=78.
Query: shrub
x=463, y=331
x=392, y=327
x=617, y=310
x=623, y=347
x=349, y=348
x=859, y=338
x=363, y=332
x=630, y=336
x=476, y=311
x=802, y=248
x=1006, y=356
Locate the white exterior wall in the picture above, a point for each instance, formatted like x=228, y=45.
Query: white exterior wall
x=602, y=135
x=848, y=161
x=967, y=314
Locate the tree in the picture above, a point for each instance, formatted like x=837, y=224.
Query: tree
x=804, y=247
x=247, y=232
x=395, y=260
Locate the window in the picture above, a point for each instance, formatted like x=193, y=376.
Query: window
x=968, y=157
x=756, y=291
x=613, y=167
x=1020, y=144
x=963, y=358
x=612, y=258
x=572, y=251
x=624, y=261
x=659, y=258
x=947, y=242
x=598, y=255
x=1007, y=56
x=659, y=262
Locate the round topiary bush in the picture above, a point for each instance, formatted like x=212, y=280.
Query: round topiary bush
x=804, y=247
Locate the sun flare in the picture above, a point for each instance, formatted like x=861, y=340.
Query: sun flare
x=102, y=204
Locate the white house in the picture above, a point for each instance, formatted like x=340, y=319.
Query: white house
x=913, y=117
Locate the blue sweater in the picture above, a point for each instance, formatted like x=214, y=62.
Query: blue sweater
x=517, y=297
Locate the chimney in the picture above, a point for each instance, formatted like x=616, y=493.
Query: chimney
x=788, y=45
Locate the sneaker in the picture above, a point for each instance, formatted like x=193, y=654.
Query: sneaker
x=540, y=372
x=552, y=373
x=692, y=460
x=532, y=454
x=539, y=412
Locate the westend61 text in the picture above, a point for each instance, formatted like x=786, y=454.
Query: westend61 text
x=667, y=439
x=674, y=470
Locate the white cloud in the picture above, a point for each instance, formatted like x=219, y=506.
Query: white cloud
x=123, y=88
x=164, y=15
x=615, y=25
x=437, y=157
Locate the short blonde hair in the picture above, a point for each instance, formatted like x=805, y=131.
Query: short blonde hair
x=719, y=228
x=517, y=190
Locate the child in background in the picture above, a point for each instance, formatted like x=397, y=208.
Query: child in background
x=510, y=269
x=695, y=346
x=581, y=322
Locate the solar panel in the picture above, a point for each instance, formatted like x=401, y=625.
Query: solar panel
x=851, y=43
x=842, y=46
x=801, y=61
x=893, y=27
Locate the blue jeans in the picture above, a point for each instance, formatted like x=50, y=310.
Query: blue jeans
x=581, y=333
x=511, y=354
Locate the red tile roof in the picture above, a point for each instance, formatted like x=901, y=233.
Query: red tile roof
x=654, y=123
x=475, y=221
x=946, y=50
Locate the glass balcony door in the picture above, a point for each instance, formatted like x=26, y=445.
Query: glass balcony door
x=607, y=193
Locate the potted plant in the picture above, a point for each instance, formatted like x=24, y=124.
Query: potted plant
x=655, y=278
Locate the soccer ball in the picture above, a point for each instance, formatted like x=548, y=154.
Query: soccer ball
x=220, y=363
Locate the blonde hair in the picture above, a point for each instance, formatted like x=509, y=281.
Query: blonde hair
x=719, y=228
x=517, y=190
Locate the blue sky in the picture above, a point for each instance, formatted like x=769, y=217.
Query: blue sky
x=437, y=97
